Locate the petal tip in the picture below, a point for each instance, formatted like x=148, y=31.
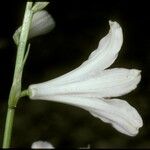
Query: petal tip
x=136, y=71
x=114, y=24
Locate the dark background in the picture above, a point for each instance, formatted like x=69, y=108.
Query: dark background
x=80, y=25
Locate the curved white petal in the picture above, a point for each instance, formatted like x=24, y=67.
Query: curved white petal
x=101, y=58
x=42, y=23
x=41, y=145
x=109, y=83
x=119, y=113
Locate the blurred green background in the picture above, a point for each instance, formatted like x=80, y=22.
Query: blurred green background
x=79, y=27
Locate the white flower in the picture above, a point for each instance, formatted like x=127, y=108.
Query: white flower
x=91, y=86
x=42, y=145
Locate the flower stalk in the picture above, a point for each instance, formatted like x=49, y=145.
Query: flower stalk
x=15, y=91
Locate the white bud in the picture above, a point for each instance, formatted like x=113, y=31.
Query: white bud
x=42, y=23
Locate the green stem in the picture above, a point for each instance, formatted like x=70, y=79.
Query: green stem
x=9, y=124
x=24, y=93
x=15, y=91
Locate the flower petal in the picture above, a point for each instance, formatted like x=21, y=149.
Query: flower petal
x=101, y=58
x=109, y=83
x=119, y=113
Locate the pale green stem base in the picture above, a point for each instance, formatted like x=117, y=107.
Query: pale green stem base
x=8, y=127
